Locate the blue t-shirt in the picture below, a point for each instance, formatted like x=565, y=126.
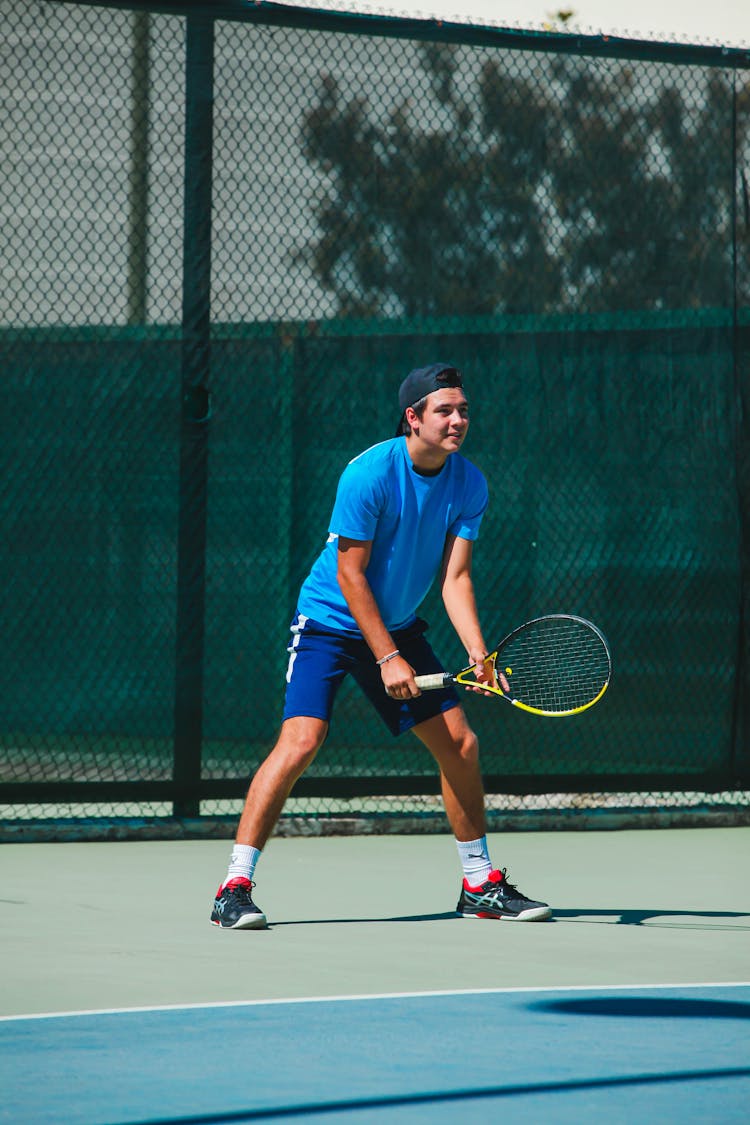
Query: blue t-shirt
x=407, y=516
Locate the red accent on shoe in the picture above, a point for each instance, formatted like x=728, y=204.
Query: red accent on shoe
x=493, y=877
x=238, y=881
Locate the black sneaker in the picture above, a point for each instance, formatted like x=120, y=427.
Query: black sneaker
x=497, y=898
x=234, y=908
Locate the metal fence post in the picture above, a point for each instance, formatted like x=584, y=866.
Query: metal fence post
x=196, y=363
x=138, y=189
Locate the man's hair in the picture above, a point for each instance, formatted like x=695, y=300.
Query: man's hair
x=448, y=378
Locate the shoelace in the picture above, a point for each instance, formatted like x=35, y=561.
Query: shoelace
x=513, y=888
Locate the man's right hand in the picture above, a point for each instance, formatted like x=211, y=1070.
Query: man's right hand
x=398, y=679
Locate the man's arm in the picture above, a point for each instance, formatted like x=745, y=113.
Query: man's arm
x=353, y=559
x=457, y=588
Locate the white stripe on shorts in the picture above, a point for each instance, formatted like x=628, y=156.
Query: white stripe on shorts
x=292, y=648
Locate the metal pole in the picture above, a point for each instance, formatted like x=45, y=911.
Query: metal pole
x=138, y=193
x=196, y=365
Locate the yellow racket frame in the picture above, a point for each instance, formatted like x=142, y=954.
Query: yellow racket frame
x=467, y=676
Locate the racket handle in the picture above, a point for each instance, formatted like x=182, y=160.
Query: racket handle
x=433, y=680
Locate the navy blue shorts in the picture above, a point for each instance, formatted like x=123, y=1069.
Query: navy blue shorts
x=320, y=658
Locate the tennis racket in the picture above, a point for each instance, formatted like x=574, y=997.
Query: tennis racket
x=555, y=665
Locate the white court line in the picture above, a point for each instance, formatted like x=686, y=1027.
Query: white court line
x=374, y=996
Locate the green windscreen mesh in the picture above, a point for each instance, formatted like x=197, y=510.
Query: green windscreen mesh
x=569, y=229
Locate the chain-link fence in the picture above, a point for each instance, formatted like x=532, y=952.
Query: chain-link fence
x=228, y=233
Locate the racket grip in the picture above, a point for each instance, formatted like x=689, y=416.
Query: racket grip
x=433, y=680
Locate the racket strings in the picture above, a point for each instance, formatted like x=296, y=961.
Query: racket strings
x=556, y=666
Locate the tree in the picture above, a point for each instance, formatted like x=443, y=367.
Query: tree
x=571, y=186
x=423, y=220
x=643, y=189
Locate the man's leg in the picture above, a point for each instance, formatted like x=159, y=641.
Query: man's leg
x=455, y=748
x=298, y=742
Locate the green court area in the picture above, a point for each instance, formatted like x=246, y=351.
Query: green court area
x=91, y=926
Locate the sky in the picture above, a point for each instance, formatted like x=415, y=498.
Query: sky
x=712, y=22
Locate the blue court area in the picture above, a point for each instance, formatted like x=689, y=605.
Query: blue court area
x=680, y=1053
x=367, y=999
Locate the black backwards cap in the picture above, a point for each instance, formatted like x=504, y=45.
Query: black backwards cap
x=422, y=382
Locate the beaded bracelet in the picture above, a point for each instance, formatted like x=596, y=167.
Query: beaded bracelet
x=390, y=656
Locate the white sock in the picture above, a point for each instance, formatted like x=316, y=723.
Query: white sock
x=475, y=860
x=242, y=863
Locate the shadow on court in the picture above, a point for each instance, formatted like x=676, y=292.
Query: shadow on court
x=607, y=917
x=672, y=1007
x=445, y=916
x=464, y=1097
x=638, y=917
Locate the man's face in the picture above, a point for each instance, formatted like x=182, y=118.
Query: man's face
x=445, y=420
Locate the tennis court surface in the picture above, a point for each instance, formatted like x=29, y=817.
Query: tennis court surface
x=368, y=999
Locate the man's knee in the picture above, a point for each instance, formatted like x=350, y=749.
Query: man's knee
x=449, y=737
x=299, y=742
x=463, y=742
x=467, y=746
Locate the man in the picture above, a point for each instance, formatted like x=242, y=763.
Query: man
x=406, y=511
